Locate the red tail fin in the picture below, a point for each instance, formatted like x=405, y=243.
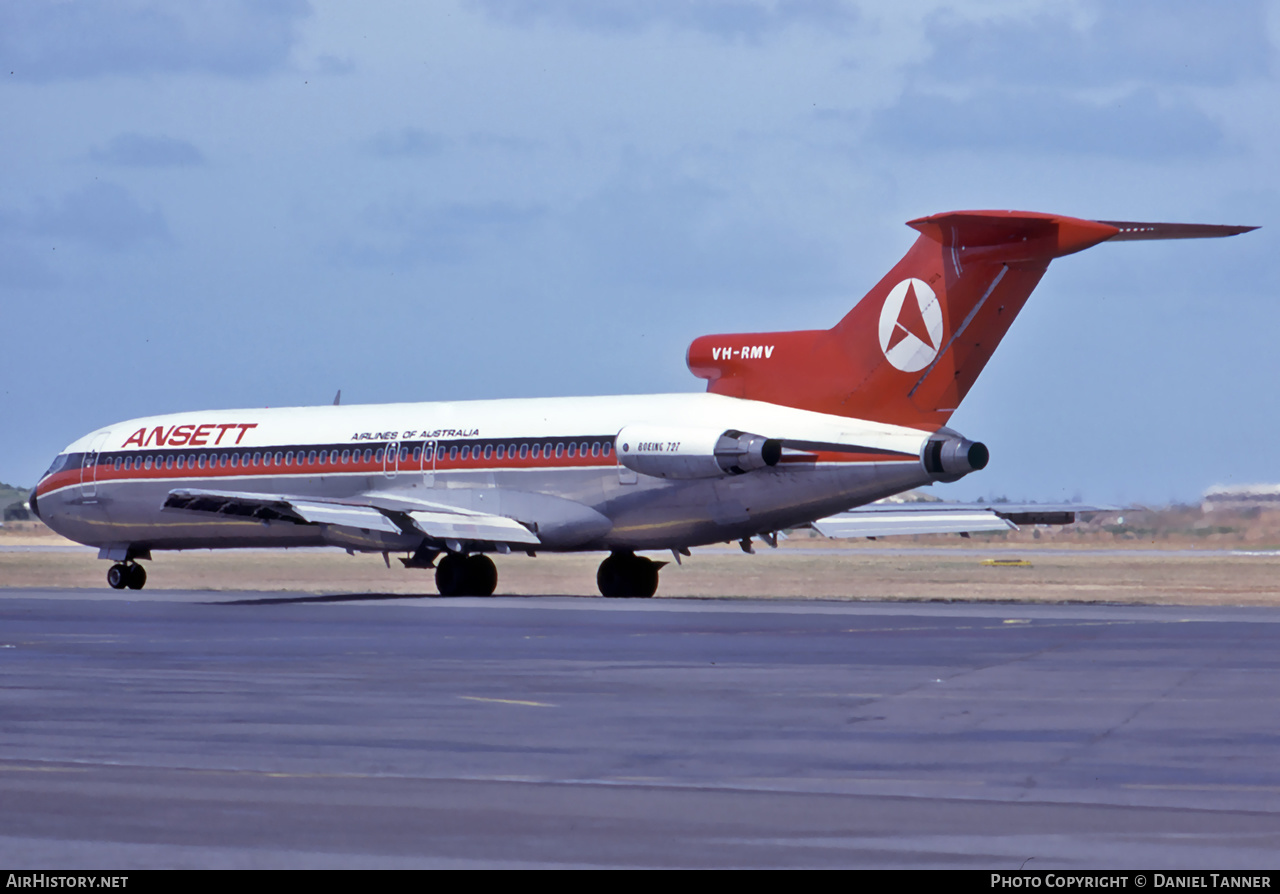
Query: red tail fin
x=911, y=349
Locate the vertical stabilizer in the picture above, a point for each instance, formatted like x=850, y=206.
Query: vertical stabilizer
x=911, y=349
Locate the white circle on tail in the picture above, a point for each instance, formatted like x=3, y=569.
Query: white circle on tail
x=911, y=325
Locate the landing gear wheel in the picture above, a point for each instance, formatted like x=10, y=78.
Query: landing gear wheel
x=482, y=575
x=628, y=576
x=136, y=577
x=451, y=575
x=458, y=575
x=127, y=574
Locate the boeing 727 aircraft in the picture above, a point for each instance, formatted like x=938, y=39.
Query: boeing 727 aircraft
x=794, y=427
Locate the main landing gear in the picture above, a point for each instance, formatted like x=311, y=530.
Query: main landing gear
x=625, y=575
x=459, y=575
x=127, y=574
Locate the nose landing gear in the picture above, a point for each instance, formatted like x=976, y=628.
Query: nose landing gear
x=625, y=575
x=127, y=574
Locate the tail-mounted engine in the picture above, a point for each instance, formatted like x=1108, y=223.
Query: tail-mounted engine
x=666, y=452
x=950, y=456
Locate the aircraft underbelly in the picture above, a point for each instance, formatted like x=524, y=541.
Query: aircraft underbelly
x=719, y=510
x=568, y=509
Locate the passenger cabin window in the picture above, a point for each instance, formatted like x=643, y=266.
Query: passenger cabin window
x=524, y=451
x=488, y=451
x=573, y=449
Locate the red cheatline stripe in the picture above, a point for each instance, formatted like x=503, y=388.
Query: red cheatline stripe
x=107, y=474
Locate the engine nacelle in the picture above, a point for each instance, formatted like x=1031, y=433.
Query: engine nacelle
x=666, y=452
x=951, y=456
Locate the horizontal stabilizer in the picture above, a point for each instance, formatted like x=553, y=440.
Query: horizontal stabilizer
x=888, y=519
x=889, y=523
x=1134, y=231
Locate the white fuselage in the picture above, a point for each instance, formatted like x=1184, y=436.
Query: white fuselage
x=552, y=464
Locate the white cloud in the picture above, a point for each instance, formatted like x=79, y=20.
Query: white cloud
x=1190, y=42
x=1137, y=125
x=729, y=19
x=407, y=142
x=141, y=151
x=102, y=215
x=50, y=41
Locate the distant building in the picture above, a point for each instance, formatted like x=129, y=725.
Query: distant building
x=1241, y=496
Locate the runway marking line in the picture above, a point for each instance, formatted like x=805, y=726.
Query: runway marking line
x=1203, y=787
x=508, y=701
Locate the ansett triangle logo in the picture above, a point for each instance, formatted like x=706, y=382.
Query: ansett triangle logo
x=911, y=325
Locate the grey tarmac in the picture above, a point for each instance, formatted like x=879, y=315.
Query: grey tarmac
x=254, y=729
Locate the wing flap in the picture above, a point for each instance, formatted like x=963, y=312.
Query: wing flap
x=365, y=517
x=433, y=520
x=456, y=526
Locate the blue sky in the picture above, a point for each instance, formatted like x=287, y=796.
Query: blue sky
x=223, y=204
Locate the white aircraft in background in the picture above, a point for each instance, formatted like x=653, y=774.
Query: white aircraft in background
x=794, y=427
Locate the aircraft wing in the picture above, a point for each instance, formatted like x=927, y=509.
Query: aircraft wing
x=433, y=520
x=887, y=519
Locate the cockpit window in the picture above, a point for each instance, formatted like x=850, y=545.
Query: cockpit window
x=59, y=463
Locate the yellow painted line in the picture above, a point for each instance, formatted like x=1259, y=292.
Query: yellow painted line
x=1007, y=563
x=507, y=701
